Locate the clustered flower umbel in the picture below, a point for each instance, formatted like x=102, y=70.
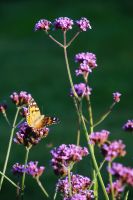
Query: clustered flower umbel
x=100, y=137
x=128, y=126
x=63, y=23
x=31, y=168
x=21, y=99
x=66, y=155
x=116, y=96
x=81, y=89
x=79, y=186
x=122, y=173
x=117, y=187
x=113, y=150
x=27, y=136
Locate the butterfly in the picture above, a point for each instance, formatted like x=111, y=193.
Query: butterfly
x=35, y=119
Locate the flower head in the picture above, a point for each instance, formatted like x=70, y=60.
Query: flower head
x=34, y=170
x=42, y=24
x=20, y=99
x=65, y=155
x=81, y=89
x=3, y=107
x=63, y=23
x=128, y=126
x=124, y=174
x=99, y=137
x=27, y=136
x=83, y=69
x=79, y=185
x=83, y=24
x=113, y=150
x=118, y=188
x=90, y=59
x=116, y=96
x=18, y=169
x=83, y=195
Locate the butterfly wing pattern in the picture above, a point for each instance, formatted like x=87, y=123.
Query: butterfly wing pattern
x=37, y=121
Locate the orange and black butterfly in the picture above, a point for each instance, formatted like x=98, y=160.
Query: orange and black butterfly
x=34, y=118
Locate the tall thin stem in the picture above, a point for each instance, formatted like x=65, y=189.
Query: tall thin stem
x=9, y=147
x=69, y=180
x=14, y=184
x=42, y=188
x=111, y=182
x=23, y=177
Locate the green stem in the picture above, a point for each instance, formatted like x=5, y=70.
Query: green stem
x=14, y=184
x=6, y=118
x=75, y=36
x=126, y=196
x=52, y=38
x=9, y=147
x=42, y=188
x=111, y=182
x=24, y=174
x=104, y=115
x=90, y=146
x=69, y=180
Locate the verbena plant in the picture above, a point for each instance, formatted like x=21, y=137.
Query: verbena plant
x=32, y=128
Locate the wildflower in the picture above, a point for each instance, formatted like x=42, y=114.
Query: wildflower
x=128, y=126
x=90, y=59
x=116, y=96
x=42, y=24
x=20, y=99
x=27, y=136
x=99, y=137
x=34, y=170
x=81, y=89
x=79, y=185
x=24, y=112
x=124, y=174
x=113, y=150
x=18, y=169
x=83, y=195
x=117, y=187
x=83, y=24
x=3, y=107
x=84, y=69
x=66, y=155
x=63, y=23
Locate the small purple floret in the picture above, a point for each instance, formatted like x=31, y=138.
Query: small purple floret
x=99, y=137
x=42, y=24
x=128, y=126
x=81, y=89
x=20, y=99
x=116, y=96
x=118, y=188
x=83, y=24
x=63, y=23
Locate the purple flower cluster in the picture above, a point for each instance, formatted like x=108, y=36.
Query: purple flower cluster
x=124, y=174
x=79, y=185
x=63, y=23
x=117, y=187
x=83, y=24
x=99, y=137
x=87, y=63
x=84, y=195
x=27, y=136
x=20, y=99
x=116, y=96
x=81, y=89
x=128, y=126
x=113, y=150
x=31, y=168
x=3, y=107
x=42, y=24
x=65, y=155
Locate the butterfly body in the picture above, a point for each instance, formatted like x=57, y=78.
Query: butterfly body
x=35, y=119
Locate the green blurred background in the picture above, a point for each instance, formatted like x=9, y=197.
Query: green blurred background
x=30, y=61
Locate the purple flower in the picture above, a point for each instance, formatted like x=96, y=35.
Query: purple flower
x=99, y=137
x=34, y=170
x=3, y=107
x=90, y=59
x=116, y=96
x=83, y=195
x=27, y=136
x=128, y=126
x=20, y=99
x=84, y=69
x=124, y=174
x=113, y=150
x=18, y=169
x=79, y=185
x=24, y=112
x=42, y=24
x=118, y=188
x=81, y=89
x=83, y=24
x=63, y=23
x=65, y=155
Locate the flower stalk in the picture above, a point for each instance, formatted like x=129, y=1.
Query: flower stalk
x=42, y=187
